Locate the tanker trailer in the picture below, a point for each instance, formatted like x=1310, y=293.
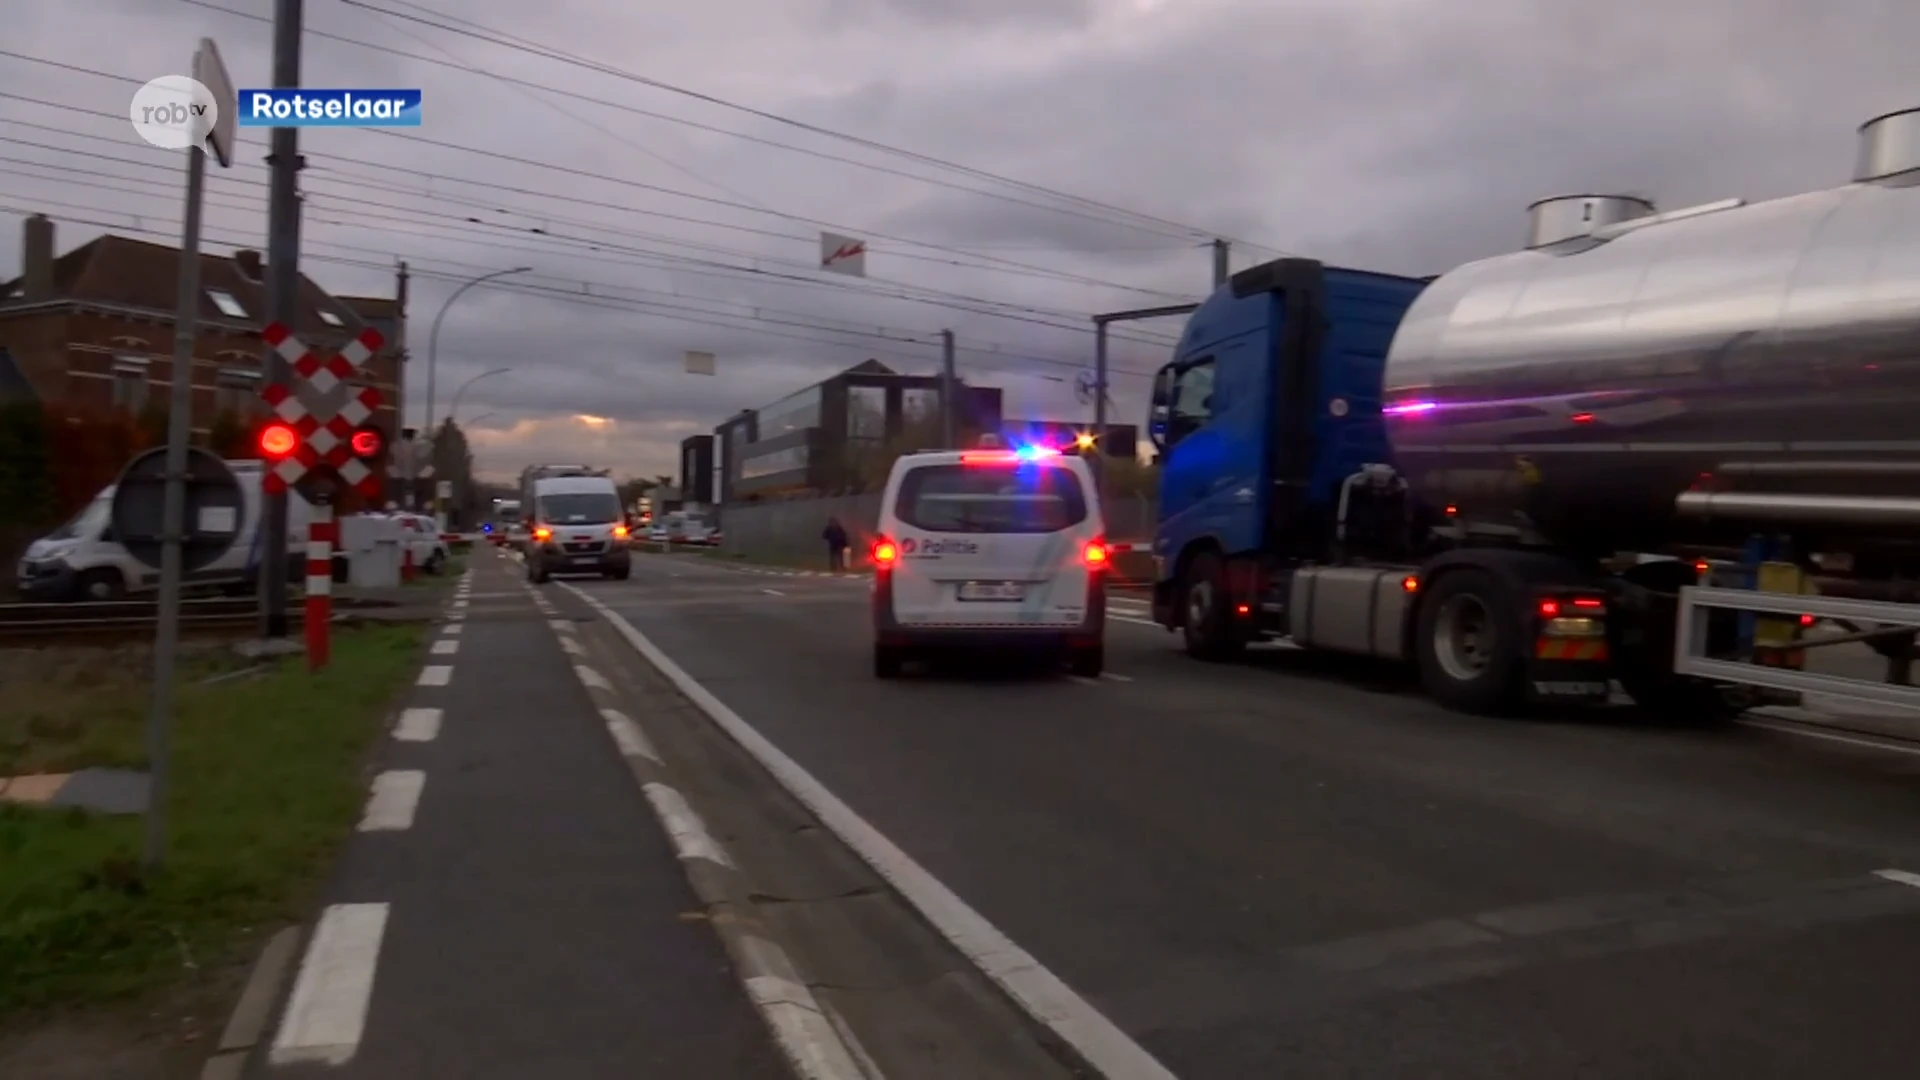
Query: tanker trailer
x=1650, y=447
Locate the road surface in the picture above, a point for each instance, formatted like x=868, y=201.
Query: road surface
x=1280, y=870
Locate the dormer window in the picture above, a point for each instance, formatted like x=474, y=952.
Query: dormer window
x=331, y=319
x=226, y=303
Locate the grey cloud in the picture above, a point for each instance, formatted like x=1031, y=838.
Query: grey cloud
x=1401, y=135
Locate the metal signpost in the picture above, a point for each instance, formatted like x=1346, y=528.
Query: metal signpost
x=210, y=72
x=327, y=412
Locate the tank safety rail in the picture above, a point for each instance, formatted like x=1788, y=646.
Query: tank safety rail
x=1690, y=642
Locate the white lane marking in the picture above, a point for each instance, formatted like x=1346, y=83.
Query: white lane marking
x=628, y=736
x=591, y=677
x=773, y=592
x=452, y=629
x=1131, y=619
x=459, y=605
x=435, y=675
x=567, y=642
x=327, y=1012
x=418, y=725
x=1901, y=876
x=689, y=833
x=1038, y=991
x=445, y=647
x=812, y=1043
x=456, y=616
x=1111, y=677
x=561, y=625
x=395, y=798
x=1828, y=736
x=1083, y=680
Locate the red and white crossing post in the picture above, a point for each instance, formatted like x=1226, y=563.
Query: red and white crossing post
x=322, y=534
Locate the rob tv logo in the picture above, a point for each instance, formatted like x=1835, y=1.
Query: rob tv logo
x=303, y=107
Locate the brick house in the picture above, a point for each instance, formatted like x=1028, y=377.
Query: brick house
x=93, y=329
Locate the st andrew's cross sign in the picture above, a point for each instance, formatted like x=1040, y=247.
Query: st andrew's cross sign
x=325, y=409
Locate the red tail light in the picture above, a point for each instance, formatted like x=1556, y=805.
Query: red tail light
x=1095, y=554
x=885, y=552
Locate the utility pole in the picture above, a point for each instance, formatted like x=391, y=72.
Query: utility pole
x=948, y=388
x=283, y=296
x=1100, y=409
x=1221, y=269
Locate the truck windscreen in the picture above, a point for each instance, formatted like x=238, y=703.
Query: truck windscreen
x=991, y=499
x=581, y=508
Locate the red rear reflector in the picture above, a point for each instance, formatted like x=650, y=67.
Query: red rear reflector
x=1095, y=554
x=885, y=552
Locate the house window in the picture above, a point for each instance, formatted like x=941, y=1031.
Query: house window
x=228, y=306
x=237, y=391
x=331, y=319
x=130, y=383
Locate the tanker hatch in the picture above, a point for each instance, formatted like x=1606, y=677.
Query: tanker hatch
x=1889, y=147
x=1570, y=217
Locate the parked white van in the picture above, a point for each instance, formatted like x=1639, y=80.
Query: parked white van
x=81, y=560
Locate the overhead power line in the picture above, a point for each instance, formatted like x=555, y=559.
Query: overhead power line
x=634, y=184
x=598, y=243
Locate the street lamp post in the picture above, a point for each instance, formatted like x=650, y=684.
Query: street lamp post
x=433, y=356
x=453, y=410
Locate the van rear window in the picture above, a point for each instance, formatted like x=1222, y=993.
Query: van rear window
x=1026, y=498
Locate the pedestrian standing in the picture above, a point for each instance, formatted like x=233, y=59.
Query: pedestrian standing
x=836, y=537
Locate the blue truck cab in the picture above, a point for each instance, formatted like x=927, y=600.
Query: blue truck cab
x=1271, y=402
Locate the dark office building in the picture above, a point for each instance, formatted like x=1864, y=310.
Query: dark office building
x=812, y=440
x=1122, y=440
x=696, y=469
x=729, y=439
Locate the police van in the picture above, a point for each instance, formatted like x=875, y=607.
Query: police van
x=993, y=546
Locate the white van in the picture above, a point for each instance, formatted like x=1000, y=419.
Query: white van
x=81, y=560
x=577, y=527
x=990, y=546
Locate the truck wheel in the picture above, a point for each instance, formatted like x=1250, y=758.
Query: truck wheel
x=1207, y=626
x=1468, y=644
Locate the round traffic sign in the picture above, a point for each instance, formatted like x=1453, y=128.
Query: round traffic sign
x=216, y=510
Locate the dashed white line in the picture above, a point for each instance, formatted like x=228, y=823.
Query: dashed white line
x=561, y=625
x=1828, y=736
x=689, y=833
x=452, y=629
x=393, y=801
x=327, y=1012
x=1111, y=677
x=567, y=642
x=435, y=675
x=1901, y=876
x=628, y=736
x=445, y=647
x=773, y=592
x=591, y=677
x=418, y=725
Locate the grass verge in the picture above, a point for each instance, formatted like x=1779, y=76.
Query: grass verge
x=265, y=785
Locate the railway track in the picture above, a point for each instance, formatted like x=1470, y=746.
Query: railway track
x=116, y=621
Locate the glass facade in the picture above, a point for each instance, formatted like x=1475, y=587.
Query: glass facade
x=774, y=462
x=867, y=412
x=795, y=413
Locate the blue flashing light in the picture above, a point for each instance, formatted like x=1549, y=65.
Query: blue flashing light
x=1035, y=453
x=487, y=528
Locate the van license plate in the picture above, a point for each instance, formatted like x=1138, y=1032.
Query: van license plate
x=992, y=590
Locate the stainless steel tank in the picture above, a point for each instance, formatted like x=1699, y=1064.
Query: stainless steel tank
x=1583, y=385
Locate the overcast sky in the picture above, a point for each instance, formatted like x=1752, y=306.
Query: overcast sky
x=1395, y=135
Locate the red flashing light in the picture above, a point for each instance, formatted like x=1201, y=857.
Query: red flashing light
x=278, y=440
x=1582, y=418
x=1549, y=608
x=1703, y=568
x=1242, y=610
x=1410, y=583
x=1095, y=554
x=1452, y=510
x=885, y=552
x=1588, y=603
x=992, y=457
x=365, y=443
x=1807, y=620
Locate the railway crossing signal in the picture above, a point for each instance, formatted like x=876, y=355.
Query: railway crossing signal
x=328, y=415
